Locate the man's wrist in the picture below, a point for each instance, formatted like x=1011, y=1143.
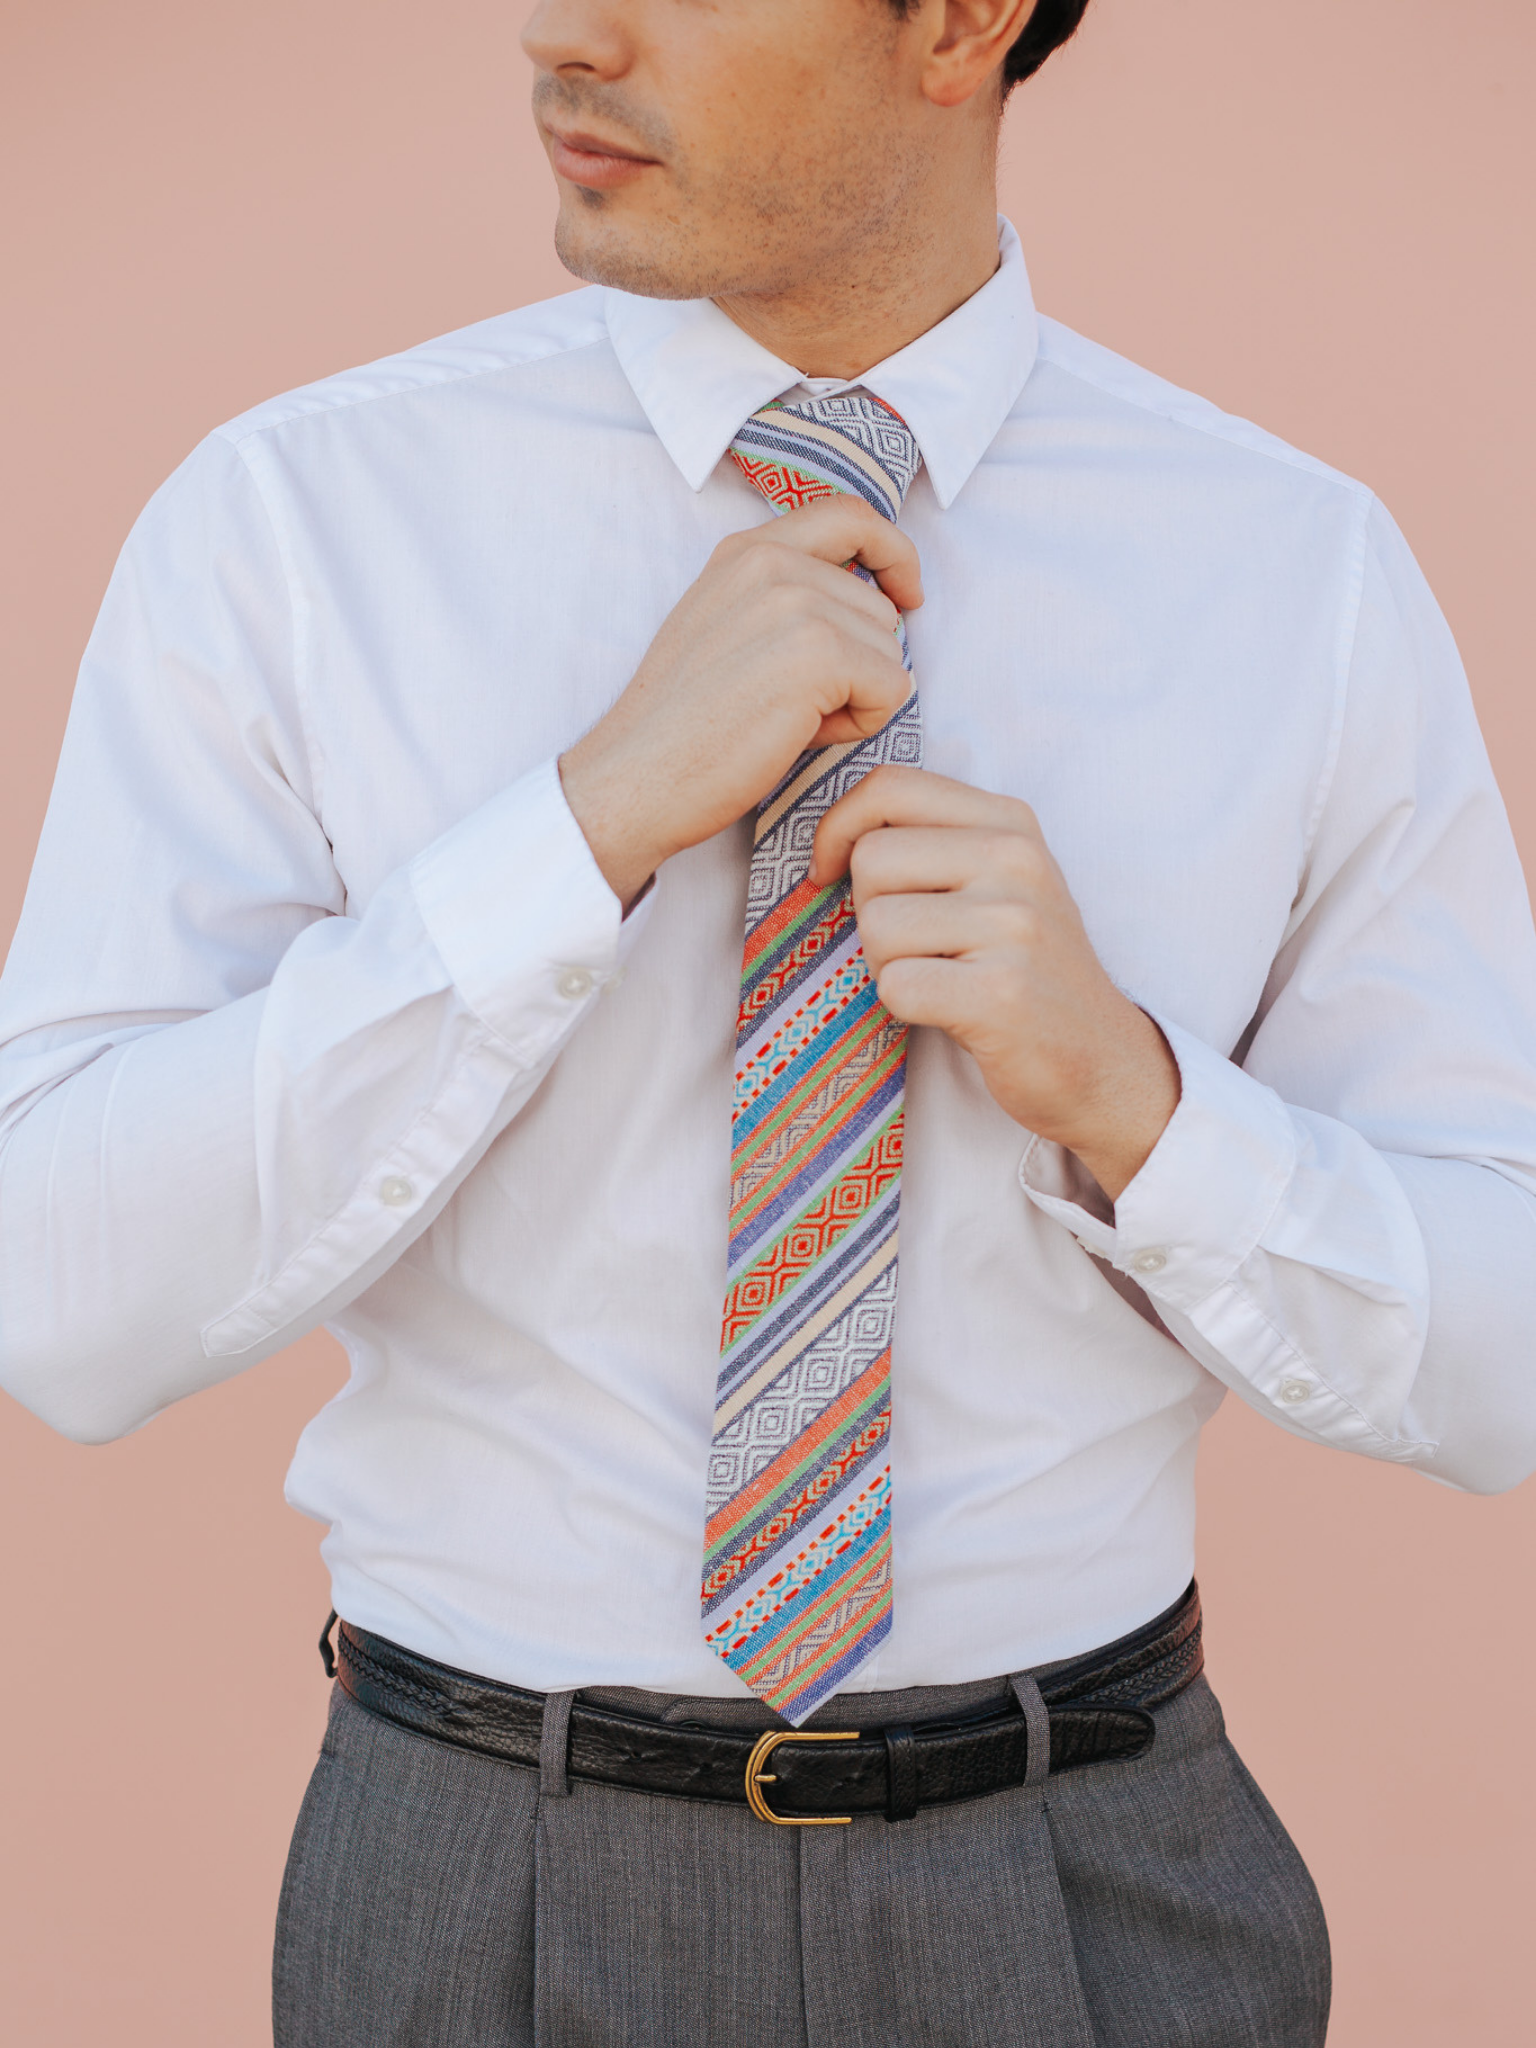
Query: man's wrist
x=622, y=839
x=1131, y=1107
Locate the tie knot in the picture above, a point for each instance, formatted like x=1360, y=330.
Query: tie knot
x=819, y=447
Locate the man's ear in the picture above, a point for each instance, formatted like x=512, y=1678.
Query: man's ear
x=970, y=40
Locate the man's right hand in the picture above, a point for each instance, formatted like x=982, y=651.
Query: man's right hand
x=774, y=649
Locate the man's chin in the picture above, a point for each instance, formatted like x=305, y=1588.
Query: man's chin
x=600, y=249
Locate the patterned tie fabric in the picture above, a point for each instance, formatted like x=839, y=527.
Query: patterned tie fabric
x=797, y=1552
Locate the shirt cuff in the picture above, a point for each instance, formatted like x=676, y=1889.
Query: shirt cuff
x=520, y=913
x=1209, y=1187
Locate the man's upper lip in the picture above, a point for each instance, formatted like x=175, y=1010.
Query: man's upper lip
x=594, y=145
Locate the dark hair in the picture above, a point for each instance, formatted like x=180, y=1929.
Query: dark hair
x=1052, y=22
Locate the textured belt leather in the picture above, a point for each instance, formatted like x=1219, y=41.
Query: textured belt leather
x=1099, y=1709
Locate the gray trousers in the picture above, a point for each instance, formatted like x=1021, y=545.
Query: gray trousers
x=438, y=1899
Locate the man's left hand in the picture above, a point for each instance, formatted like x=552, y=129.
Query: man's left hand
x=968, y=924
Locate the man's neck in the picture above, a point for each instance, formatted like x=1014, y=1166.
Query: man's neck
x=840, y=325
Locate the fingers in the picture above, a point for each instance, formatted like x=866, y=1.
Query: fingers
x=898, y=859
x=844, y=529
x=848, y=665
x=927, y=990
x=853, y=659
x=863, y=715
x=891, y=799
x=942, y=926
x=785, y=572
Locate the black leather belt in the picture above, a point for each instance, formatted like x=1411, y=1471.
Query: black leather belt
x=1099, y=1709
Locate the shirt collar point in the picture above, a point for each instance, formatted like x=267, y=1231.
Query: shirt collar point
x=697, y=375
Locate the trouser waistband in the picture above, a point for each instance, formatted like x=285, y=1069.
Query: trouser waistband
x=1091, y=1709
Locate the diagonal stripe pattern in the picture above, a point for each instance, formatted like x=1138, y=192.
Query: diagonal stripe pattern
x=797, y=1550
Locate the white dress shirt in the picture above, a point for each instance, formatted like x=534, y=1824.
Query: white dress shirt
x=320, y=1010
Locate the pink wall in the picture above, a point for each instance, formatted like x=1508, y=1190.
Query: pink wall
x=1318, y=214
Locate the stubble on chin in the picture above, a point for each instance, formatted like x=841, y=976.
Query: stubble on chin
x=746, y=228
x=597, y=244
x=710, y=243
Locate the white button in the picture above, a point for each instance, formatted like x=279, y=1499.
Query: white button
x=395, y=1191
x=1152, y=1261
x=1292, y=1391
x=575, y=983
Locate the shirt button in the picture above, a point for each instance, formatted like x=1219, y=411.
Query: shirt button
x=1292, y=1391
x=1150, y=1261
x=395, y=1191
x=574, y=983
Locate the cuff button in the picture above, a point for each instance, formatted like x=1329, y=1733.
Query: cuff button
x=395, y=1192
x=1150, y=1261
x=574, y=983
x=1292, y=1391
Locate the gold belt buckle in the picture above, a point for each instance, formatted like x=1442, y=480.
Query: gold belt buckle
x=762, y=1749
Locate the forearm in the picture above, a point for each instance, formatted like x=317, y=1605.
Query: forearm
x=1474, y=1393
x=1429, y=1364
x=1378, y=1304
x=180, y=1200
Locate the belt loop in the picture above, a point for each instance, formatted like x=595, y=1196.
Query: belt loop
x=1038, y=1722
x=327, y=1654
x=554, y=1745
x=901, y=1773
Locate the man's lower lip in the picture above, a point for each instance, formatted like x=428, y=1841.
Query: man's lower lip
x=590, y=167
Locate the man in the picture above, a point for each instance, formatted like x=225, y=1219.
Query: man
x=384, y=965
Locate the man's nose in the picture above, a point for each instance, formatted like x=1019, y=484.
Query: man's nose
x=581, y=36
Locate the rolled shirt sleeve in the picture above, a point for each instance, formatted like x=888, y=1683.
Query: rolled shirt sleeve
x=1340, y=1219
x=226, y=1102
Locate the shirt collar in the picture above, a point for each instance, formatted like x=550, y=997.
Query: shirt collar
x=698, y=376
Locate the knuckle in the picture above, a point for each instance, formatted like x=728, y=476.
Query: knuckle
x=875, y=923
x=794, y=601
x=816, y=639
x=1017, y=855
x=734, y=546
x=1024, y=930
x=763, y=557
x=864, y=863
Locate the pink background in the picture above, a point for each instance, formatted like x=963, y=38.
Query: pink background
x=1317, y=214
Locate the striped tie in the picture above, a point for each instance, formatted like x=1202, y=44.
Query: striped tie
x=797, y=1552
